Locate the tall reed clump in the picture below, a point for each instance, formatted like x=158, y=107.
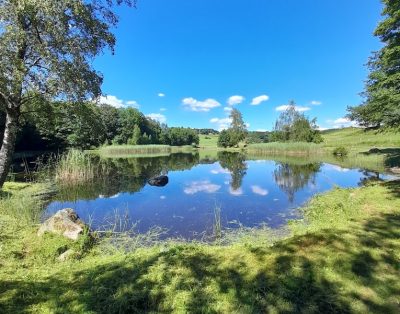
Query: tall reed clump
x=129, y=150
x=75, y=166
x=286, y=149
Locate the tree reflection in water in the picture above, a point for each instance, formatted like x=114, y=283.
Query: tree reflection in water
x=292, y=177
x=236, y=164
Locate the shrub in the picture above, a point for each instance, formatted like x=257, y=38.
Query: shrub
x=340, y=151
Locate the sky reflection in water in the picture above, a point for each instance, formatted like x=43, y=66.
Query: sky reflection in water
x=248, y=192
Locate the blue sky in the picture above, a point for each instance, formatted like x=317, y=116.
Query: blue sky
x=181, y=61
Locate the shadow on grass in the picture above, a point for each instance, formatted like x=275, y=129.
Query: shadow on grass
x=354, y=270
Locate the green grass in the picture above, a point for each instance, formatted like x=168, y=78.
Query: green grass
x=356, y=138
x=343, y=257
x=118, y=151
x=208, y=141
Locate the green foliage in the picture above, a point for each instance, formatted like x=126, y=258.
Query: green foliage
x=295, y=127
x=181, y=136
x=224, y=139
x=382, y=89
x=60, y=125
x=255, y=137
x=340, y=151
x=235, y=133
x=136, y=136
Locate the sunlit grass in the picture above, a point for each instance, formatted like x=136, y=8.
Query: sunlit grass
x=353, y=138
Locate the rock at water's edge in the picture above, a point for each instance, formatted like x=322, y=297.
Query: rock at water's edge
x=65, y=222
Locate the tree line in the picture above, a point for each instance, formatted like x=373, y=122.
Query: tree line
x=58, y=125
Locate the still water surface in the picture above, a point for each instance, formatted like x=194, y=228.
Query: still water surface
x=248, y=192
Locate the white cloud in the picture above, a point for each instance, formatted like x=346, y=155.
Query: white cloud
x=157, y=117
x=228, y=109
x=259, y=190
x=201, y=186
x=261, y=130
x=297, y=108
x=236, y=192
x=259, y=99
x=223, y=123
x=337, y=168
x=132, y=103
x=196, y=105
x=220, y=171
x=316, y=102
x=341, y=122
x=116, y=102
x=161, y=95
x=247, y=125
x=112, y=101
x=163, y=109
x=235, y=100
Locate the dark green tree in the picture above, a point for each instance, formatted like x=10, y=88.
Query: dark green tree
x=381, y=106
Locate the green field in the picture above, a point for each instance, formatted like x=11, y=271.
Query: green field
x=208, y=141
x=356, y=138
x=342, y=258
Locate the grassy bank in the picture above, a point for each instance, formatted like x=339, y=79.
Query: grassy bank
x=343, y=257
x=356, y=138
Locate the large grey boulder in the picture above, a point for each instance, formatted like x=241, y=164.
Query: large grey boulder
x=65, y=222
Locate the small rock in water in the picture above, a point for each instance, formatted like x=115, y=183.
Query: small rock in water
x=65, y=222
x=159, y=181
x=374, y=150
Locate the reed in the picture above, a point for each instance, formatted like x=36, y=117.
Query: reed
x=75, y=166
x=217, y=227
x=286, y=149
x=128, y=150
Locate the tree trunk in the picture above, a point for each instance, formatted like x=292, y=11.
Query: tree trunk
x=8, y=145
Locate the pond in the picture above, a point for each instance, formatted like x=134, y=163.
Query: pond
x=244, y=192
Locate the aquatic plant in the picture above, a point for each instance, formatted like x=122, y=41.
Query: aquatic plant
x=75, y=166
x=217, y=226
x=115, y=151
x=286, y=149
